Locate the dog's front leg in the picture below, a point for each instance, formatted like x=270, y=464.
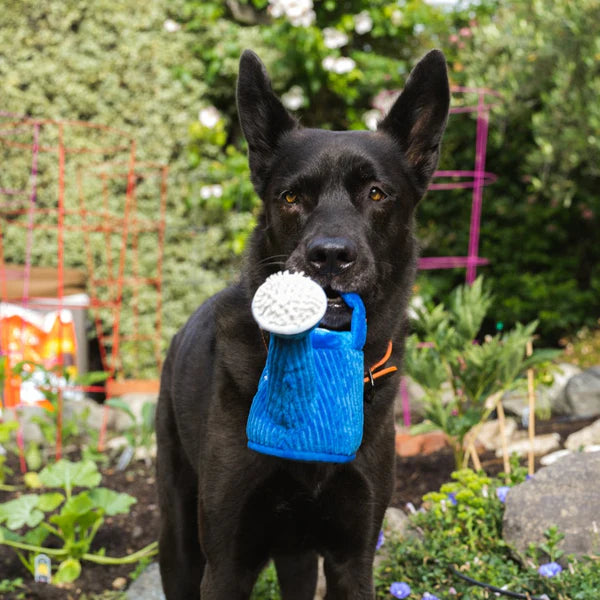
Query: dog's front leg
x=227, y=581
x=351, y=579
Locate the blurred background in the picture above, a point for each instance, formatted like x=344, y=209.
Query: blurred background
x=164, y=72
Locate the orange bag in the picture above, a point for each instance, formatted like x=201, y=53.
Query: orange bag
x=47, y=340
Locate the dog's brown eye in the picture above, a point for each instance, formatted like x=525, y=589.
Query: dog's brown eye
x=376, y=194
x=290, y=197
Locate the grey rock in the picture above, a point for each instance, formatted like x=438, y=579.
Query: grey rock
x=147, y=586
x=566, y=495
x=516, y=402
x=549, y=399
x=397, y=525
x=587, y=436
x=542, y=444
x=583, y=393
x=556, y=392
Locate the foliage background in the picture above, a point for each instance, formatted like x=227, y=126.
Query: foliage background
x=165, y=72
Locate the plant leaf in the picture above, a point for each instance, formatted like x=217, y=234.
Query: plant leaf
x=21, y=511
x=68, y=571
x=113, y=503
x=66, y=474
x=48, y=502
x=121, y=405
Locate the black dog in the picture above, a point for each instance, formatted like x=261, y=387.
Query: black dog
x=338, y=206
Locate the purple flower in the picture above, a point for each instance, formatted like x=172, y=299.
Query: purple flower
x=452, y=498
x=501, y=492
x=400, y=589
x=549, y=569
x=380, y=540
x=428, y=596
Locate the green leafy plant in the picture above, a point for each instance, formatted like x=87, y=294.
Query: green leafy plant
x=140, y=433
x=11, y=585
x=50, y=383
x=65, y=519
x=6, y=428
x=463, y=379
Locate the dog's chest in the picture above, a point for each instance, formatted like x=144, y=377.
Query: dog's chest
x=307, y=513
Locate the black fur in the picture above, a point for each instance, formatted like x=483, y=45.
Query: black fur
x=225, y=510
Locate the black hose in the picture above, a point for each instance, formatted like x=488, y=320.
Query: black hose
x=495, y=589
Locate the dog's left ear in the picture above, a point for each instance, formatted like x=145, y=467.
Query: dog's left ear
x=263, y=117
x=417, y=119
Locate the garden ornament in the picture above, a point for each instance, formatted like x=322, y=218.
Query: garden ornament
x=309, y=403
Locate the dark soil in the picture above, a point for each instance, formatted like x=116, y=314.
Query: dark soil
x=124, y=534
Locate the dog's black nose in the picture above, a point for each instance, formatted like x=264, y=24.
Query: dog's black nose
x=331, y=256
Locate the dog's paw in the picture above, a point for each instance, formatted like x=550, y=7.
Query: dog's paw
x=289, y=303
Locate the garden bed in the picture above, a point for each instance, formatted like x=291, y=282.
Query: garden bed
x=124, y=534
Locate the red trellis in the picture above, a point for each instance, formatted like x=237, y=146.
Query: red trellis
x=76, y=189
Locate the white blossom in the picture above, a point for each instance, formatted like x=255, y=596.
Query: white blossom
x=299, y=13
x=211, y=191
x=371, y=118
x=171, y=26
x=334, y=38
x=339, y=65
x=363, y=22
x=419, y=28
x=209, y=117
x=396, y=17
x=293, y=98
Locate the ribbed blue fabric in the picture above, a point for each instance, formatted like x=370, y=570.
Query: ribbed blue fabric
x=309, y=403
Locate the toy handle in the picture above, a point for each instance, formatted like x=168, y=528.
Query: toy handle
x=358, y=325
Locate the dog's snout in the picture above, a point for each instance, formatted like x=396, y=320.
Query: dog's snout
x=331, y=256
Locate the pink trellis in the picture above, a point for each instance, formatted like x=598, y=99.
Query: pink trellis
x=476, y=180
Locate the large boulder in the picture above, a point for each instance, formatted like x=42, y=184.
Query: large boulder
x=583, y=393
x=564, y=494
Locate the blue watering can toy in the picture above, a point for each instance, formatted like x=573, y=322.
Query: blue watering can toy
x=309, y=403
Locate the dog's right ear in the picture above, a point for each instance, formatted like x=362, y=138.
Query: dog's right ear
x=263, y=117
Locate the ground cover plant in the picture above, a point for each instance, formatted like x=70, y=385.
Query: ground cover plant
x=460, y=533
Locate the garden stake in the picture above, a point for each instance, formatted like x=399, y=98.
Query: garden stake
x=20, y=442
x=531, y=424
x=502, y=425
x=474, y=456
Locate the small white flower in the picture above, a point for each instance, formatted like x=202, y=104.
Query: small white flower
x=363, y=22
x=209, y=117
x=334, y=38
x=396, y=17
x=304, y=20
x=293, y=98
x=299, y=13
x=419, y=28
x=329, y=63
x=211, y=191
x=371, y=118
x=340, y=65
x=171, y=26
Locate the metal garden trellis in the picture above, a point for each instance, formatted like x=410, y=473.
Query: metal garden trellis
x=75, y=189
x=95, y=176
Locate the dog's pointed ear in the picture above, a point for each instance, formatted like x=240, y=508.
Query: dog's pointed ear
x=263, y=117
x=417, y=119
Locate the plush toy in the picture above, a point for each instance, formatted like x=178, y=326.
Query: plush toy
x=309, y=403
